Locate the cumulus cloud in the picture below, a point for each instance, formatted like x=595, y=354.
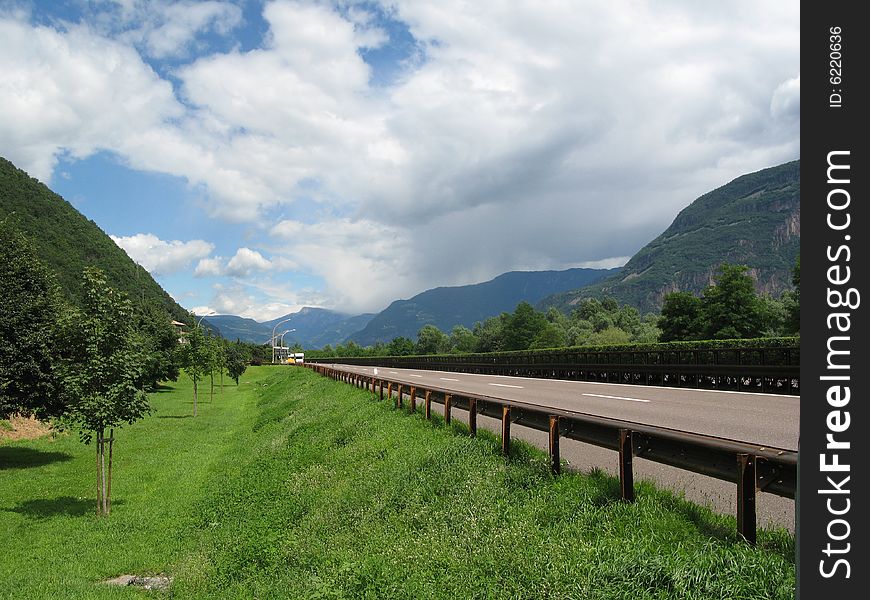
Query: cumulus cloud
x=594, y=122
x=242, y=264
x=246, y=261
x=159, y=257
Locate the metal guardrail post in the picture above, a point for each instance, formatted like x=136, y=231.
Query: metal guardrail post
x=626, y=475
x=413, y=399
x=472, y=417
x=505, y=430
x=746, y=483
x=427, y=405
x=399, y=396
x=389, y=390
x=381, y=388
x=555, y=459
x=448, y=399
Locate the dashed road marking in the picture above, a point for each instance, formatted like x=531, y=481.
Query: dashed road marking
x=447, y=379
x=506, y=385
x=617, y=397
x=420, y=376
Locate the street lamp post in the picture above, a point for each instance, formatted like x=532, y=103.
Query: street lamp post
x=273, y=337
x=281, y=335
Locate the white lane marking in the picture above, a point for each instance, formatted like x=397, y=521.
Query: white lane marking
x=393, y=373
x=420, y=376
x=617, y=397
x=506, y=385
x=658, y=387
x=447, y=379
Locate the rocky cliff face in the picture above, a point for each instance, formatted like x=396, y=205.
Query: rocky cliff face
x=753, y=221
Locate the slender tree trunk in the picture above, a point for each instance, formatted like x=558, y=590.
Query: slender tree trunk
x=222, y=382
x=109, y=477
x=194, y=396
x=211, y=393
x=99, y=476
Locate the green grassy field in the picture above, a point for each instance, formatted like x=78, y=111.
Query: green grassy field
x=295, y=486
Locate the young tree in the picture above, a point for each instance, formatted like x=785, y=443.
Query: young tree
x=30, y=306
x=236, y=361
x=158, y=344
x=195, y=358
x=100, y=368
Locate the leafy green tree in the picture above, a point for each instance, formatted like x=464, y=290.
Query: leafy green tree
x=431, y=340
x=400, y=346
x=682, y=317
x=551, y=336
x=196, y=359
x=30, y=307
x=489, y=334
x=609, y=337
x=100, y=369
x=236, y=362
x=158, y=343
x=731, y=309
x=462, y=339
x=216, y=359
x=260, y=354
x=523, y=326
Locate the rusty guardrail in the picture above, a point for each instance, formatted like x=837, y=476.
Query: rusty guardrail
x=751, y=467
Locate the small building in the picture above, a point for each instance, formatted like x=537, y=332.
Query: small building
x=179, y=328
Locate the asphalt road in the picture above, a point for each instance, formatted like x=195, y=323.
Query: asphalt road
x=765, y=419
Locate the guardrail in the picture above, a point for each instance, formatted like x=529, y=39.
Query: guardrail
x=753, y=468
x=770, y=370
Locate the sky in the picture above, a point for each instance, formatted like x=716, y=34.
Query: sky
x=257, y=157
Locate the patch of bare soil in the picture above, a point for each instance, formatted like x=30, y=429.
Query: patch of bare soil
x=24, y=429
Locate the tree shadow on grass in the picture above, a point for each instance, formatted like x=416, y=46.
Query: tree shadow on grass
x=162, y=389
x=16, y=457
x=44, y=508
x=174, y=416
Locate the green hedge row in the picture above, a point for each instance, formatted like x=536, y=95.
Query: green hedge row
x=790, y=343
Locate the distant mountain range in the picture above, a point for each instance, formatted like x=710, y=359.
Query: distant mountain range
x=753, y=221
x=446, y=307
x=313, y=327
x=67, y=242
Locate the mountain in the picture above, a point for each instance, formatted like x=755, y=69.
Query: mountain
x=753, y=221
x=67, y=242
x=446, y=307
x=314, y=327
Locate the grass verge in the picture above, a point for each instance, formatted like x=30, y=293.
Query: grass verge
x=296, y=486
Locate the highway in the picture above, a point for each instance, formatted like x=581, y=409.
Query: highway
x=765, y=419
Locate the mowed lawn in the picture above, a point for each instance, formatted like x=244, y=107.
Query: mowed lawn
x=295, y=486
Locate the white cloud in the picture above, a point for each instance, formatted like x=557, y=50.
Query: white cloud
x=245, y=261
x=209, y=267
x=166, y=29
x=160, y=257
x=365, y=264
x=531, y=136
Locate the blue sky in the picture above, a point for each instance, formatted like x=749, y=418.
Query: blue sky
x=259, y=157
